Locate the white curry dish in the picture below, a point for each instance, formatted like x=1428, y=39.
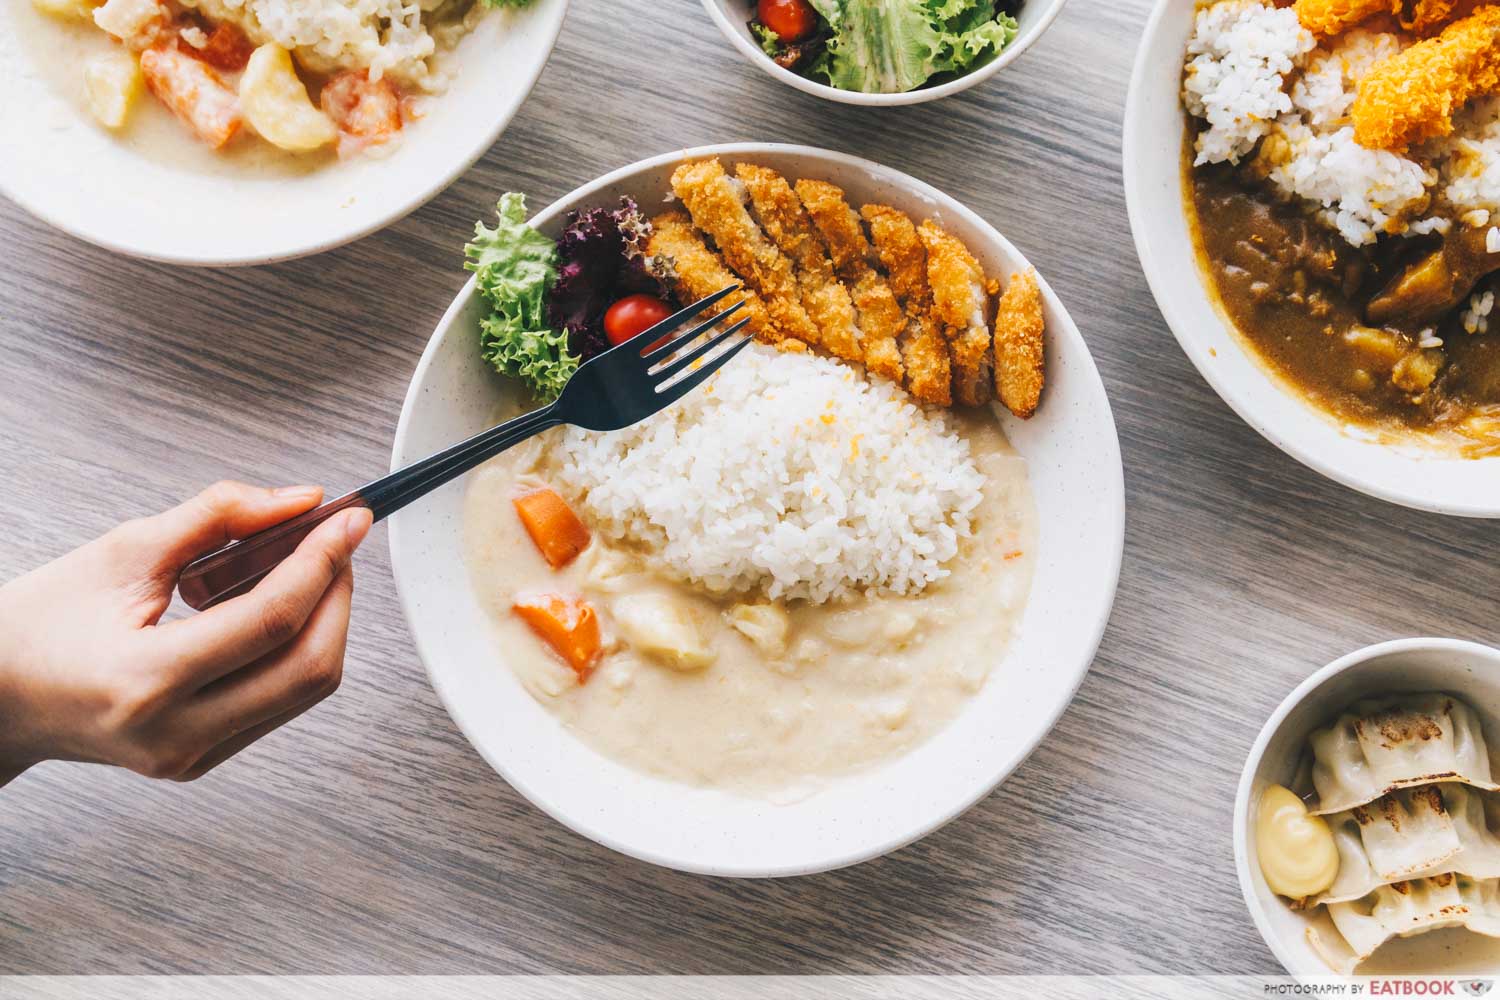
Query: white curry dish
x=302, y=125
x=765, y=627
x=1367, y=828
x=1315, y=194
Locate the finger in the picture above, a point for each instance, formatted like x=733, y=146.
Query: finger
x=235, y=744
x=300, y=674
x=224, y=638
x=223, y=512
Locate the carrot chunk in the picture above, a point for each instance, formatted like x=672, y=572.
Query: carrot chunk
x=228, y=48
x=552, y=525
x=566, y=623
x=195, y=93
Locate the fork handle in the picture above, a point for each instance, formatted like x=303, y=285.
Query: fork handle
x=234, y=569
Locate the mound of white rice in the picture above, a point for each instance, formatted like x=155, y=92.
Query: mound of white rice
x=387, y=37
x=787, y=474
x=1471, y=168
x=1238, y=59
x=1241, y=55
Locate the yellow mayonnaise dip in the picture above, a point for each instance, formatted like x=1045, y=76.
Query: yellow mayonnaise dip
x=1297, y=854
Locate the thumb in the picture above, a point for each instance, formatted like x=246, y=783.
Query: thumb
x=223, y=512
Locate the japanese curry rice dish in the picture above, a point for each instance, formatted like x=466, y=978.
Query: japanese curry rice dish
x=1344, y=168
x=808, y=564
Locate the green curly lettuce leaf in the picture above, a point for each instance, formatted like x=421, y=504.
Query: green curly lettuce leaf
x=893, y=46
x=769, y=41
x=515, y=268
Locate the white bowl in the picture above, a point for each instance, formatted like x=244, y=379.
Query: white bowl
x=733, y=16
x=68, y=171
x=1075, y=472
x=1464, y=669
x=1155, y=129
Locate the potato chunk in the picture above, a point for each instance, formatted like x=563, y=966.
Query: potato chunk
x=112, y=81
x=663, y=629
x=72, y=10
x=137, y=23
x=766, y=625
x=275, y=103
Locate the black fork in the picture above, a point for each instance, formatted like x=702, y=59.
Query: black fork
x=622, y=386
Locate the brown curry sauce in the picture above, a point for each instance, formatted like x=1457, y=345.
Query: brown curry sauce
x=1341, y=324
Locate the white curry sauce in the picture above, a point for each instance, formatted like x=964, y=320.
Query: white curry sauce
x=819, y=691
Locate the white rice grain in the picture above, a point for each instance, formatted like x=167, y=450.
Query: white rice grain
x=1239, y=57
x=786, y=474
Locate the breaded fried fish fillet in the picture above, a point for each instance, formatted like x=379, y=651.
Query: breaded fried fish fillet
x=960, y=299
x=705, y=190
x=924, y=351
x=1412, y=96
x=1020, y=328
x=880, y=317
x=698, y=272
x=786, y=222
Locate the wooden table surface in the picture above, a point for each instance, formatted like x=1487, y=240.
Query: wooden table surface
x=368, y=837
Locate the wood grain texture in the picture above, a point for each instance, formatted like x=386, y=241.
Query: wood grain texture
x=368, y=837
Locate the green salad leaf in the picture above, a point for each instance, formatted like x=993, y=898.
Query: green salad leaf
x=515, y=268
x=892, y=46
x=770, y=42
x=497, y=4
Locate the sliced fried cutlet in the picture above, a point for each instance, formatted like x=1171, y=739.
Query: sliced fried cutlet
x=786, y=222
x=880, y=317
x=924, y=351
x=698, y=273
x=1020, y=329
x=705, y=190
x=960, y=298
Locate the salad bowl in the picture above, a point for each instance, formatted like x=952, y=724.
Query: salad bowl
x=733, y=16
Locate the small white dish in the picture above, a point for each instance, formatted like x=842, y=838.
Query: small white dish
x=1155, y=130
x=1467, y=670
x=1076, y=477
x=66, y=170
x=733, y=16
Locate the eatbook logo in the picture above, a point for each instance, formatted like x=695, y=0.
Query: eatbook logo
x=1475, y=987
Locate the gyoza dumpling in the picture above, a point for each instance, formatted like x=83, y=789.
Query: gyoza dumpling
x=1414, y=833
x=1345, y=934
x=1381, y=745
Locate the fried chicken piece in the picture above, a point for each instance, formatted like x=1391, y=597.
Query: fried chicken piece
x=825, y=298
x=1333, y=17
x=1426, y=17
x=1412, y=96
x=716, y=208
x=960, y=298
x=880, y=317
x=698, y=273
x=1020, y=329
x=1326, y=18
x=924, y=352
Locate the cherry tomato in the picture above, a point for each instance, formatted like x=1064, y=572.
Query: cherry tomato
x=632, y=315
x=792, y=20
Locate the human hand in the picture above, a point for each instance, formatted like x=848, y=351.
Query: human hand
x=88, y=672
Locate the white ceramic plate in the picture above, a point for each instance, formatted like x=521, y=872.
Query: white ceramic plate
x=733, y=16
x=1075, y=473
x=1155, y=128
x=66, y=170
x=1465, y=669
